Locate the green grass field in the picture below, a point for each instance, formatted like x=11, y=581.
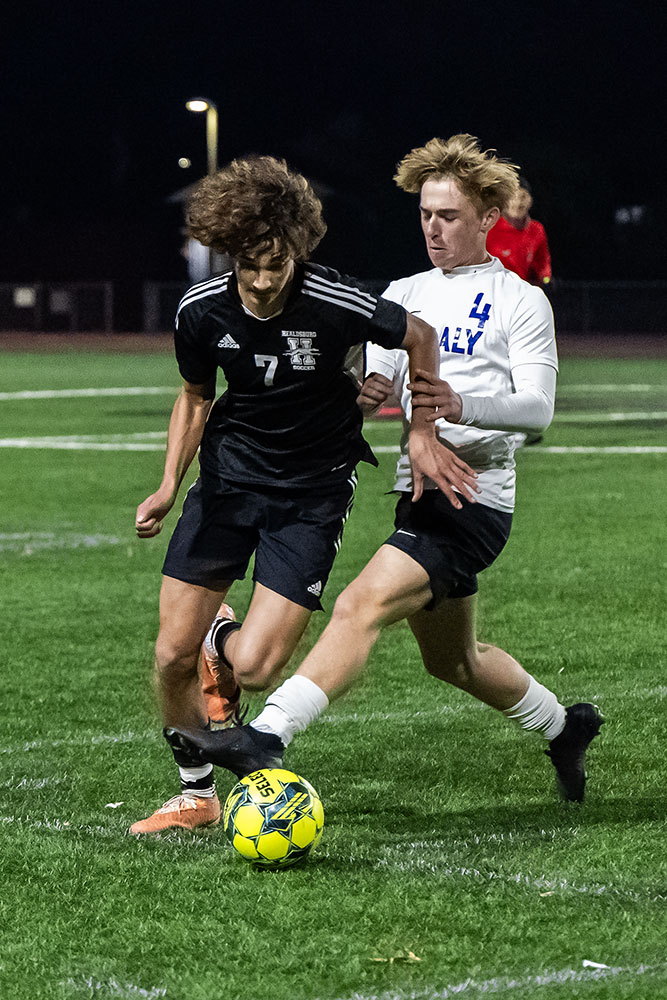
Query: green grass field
x=448, y=867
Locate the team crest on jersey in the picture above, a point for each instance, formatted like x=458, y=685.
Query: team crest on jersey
x=300, y=349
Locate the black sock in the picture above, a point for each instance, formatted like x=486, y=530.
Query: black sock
x=221, y=633
x=196, y=774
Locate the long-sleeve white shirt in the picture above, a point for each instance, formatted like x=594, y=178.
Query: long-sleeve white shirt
x=497, y=350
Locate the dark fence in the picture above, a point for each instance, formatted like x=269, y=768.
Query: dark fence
x=68, y=307
x=610, y=306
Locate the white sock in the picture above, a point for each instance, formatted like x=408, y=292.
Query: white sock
x=197, y=781
x=291, y=707
x=538, y=711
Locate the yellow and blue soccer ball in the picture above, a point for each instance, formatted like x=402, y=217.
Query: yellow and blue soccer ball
x=273, y=817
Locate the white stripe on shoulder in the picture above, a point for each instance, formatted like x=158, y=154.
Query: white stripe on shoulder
x=366, y=311
x=341, y=294
x=208, y=281
x=199, y=291
x=333, y=285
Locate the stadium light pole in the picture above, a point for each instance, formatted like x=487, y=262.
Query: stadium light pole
x=198, y=105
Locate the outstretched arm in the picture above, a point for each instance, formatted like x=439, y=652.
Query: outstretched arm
x=186, y=426
x=427, y=455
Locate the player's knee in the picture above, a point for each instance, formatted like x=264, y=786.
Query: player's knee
x=253, y=679
x=174, y=658
x=255, y=670
x=358, y=607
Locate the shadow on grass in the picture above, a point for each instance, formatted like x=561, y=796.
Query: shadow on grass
x=508, y=818
x=410, y=828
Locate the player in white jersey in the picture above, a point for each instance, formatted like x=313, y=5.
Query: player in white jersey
x=497, y=376
x=497, y=347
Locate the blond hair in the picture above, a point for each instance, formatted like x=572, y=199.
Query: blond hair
x=487, y=180
x=256, y=205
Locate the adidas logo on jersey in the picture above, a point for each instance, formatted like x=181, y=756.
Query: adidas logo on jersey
x=228, y=341
x=315, y=588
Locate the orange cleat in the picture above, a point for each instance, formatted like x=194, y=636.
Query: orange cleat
x=187, y=812
x=221, y=692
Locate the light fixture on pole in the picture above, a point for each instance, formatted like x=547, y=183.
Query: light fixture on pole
x=199, y=104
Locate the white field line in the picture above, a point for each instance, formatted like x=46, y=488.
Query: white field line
x=357, y=718
x=32, y=784
x=393, y=861
x=132, y=390
x=110, y=987
x=140, y=441
x=593, y=450
x=591, y=417
x=350, y=718
x=62, y=444
x=27, y=542
x=57, y=825
x=499, y=985
x=577, y=416
x=84, y=740
x=364, y=719
x=59, y=444
x=619, y=387
x=122, y=438
x=151, y=736
x=391, y=449
x=426, y=862
x=159, y=390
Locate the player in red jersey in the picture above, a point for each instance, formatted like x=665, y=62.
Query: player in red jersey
x=519, y=242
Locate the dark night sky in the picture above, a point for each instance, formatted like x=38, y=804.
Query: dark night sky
x=94, y=113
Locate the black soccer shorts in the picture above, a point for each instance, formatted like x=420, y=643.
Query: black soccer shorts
x=294, y=535
x=453, y=546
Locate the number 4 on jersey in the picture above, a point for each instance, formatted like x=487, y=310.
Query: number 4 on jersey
x=482, y=315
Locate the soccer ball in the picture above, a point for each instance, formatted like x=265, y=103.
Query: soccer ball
x=273, y=817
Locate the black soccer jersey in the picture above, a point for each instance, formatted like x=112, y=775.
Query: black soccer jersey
x=289, y=416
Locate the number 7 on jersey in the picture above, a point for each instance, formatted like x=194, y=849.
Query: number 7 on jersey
x=270, y=362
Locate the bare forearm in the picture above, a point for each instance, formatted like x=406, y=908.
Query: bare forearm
x=421, y=344
x=429, y=459
x=186, y=426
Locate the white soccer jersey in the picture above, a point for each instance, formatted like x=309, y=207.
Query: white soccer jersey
x=488, y=322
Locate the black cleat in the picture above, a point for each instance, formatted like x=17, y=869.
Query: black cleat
x=568, y=750
x=241, y=749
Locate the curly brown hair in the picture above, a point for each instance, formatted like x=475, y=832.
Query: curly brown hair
x=487, y=180
x=256, y=205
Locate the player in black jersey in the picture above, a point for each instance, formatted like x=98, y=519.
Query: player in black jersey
x=278, y=449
